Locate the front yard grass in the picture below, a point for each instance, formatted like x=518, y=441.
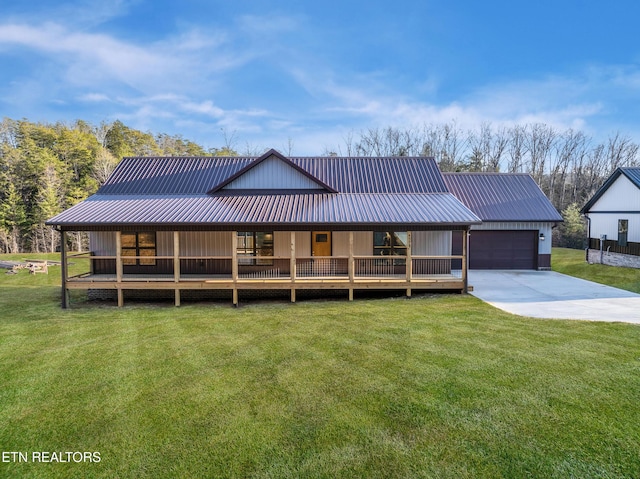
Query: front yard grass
x=436, y=386
x=572, y=262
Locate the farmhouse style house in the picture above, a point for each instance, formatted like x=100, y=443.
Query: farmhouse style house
x=237, y=224
x=613, y=220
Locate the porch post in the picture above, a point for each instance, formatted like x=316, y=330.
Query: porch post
x=234, y=265
x=409, y=264
x=119, y=268
x=176, y=264
x=465, y=259
x=63, y=268
x=292, y=266
x=351, y=266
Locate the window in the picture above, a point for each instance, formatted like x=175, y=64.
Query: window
x=390, y=243
x=623, y=229
x=252, y=244
x=141, y=244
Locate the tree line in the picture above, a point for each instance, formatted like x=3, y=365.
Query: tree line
x=46, y=168
x=569, y=165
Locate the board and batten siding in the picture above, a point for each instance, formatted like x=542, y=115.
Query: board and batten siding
x=622, y=195
x=102, y=243
x=621, y=201
x=220, y=243
x=607, y=224
x=192, y=243
x=362, y=243
x=282, y=244
x=546, y=228
x=431, y=243
x=271, y=174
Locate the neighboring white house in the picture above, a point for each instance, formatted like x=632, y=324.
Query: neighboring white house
x=613, y=215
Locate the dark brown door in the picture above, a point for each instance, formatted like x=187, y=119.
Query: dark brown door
x=496, y=249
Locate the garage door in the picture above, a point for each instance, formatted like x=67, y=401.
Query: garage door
x=503, y=249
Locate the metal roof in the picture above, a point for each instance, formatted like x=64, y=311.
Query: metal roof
x=179, y=176
x=266, y=209
x=502, y=196
x=632, y=173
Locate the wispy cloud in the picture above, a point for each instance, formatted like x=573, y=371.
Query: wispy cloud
x=270, y=77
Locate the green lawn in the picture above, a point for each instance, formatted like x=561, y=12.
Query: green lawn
x=436, y=386
x=572, y=262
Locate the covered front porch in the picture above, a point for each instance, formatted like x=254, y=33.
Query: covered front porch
x=286, y=260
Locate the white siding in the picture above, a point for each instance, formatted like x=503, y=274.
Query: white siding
x=607, y=224
x=544, y=247
x=204, y=243
x=303, y=243
x=362, y=243
x=431, y=243
x=102, y=243
x=164, y=243
x=272, y=173
x=282, y=243
x=192, y=243
x=622, y=195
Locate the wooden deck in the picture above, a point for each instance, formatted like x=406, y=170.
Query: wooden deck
x=289, y=273
x=200, y=282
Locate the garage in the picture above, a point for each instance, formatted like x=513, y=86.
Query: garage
x=503, y=249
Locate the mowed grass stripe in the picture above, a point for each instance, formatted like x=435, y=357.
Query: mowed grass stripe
x=435, y=386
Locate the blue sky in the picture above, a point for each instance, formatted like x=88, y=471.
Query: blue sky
x=265, y=73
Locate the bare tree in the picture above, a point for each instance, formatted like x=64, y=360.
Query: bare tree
x=104, y=165
x=516, y=149
x=621, y=151
x=487, y=148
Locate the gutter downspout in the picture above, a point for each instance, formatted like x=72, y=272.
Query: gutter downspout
x=586, y=250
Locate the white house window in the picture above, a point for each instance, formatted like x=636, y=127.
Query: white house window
x=623, y=230
x=252, y=244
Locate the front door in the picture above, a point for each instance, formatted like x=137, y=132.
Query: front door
x=321, y=243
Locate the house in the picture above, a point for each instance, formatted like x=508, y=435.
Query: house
x=517, y=220
x=613, y=220
x=235, y=224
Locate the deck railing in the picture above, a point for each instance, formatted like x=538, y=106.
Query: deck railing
x=163, y=268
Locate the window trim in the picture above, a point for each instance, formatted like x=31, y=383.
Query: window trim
x=137, y=249
x=623, y=233
x=249, y=255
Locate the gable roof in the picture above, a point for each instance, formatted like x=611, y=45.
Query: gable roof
x=260, y=161
x=200, y=175
x=190, y=192
x=506, y=197
x=632, y=173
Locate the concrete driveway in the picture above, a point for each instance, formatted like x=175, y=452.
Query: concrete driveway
x=547, y=294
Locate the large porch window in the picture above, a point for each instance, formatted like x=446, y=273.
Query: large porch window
x=252, y=244
x=390, y=243
x=141, y=244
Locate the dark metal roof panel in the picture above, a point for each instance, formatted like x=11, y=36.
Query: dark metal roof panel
x=502, y=196
x=198, y=175
x=376, y=175
x=171, y=175
x=435, y=208
x=633, y=173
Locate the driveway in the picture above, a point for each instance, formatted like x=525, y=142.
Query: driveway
x=547, y=294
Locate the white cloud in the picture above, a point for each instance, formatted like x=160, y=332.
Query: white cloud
x=94, y=98
x=84, y=59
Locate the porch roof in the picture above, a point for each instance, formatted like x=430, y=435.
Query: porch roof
x=436, y=209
